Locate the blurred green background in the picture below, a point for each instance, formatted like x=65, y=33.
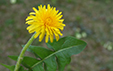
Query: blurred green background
x=88, y=20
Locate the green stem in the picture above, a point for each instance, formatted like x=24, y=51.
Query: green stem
x=20, y=58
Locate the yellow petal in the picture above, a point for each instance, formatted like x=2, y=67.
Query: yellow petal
x=58, y=31
x=61, y=20
x=37, y=34
x=32, y=13
x=40, y=7
x=30, y=27
x=55, y=12
x=57, y=38
x=51, y=38
x=59, y=14
x=42, y=35
x=63, y=25
x=29, y=18
x=44, y=7
x=33, y=28
x=59, y=17
x=47, y=37
x=50, y=31
x=48, y=6
x=31, y=31
x=35, y=9
x=30, y=21
x=56, y=35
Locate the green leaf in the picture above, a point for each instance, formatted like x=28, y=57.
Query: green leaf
x=68, y=46
x=31, y=51
x=11, y=68
x=60, y=56
x=42, y=53
x=21, y=69
x=38, y=67
x=56, y=45
x=57, y=56
x=27, y=61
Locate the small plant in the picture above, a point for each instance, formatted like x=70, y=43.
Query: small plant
x=12, y=1
x=108, y=45
x=46, y=22
x=79, y=34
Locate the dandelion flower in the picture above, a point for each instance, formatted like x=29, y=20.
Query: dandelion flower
x=45, y=22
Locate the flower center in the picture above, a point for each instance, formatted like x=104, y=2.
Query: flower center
x=48, y=21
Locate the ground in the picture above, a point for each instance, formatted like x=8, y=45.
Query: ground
x=93, y=17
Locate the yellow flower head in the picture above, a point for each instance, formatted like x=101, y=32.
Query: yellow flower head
x=45, y=22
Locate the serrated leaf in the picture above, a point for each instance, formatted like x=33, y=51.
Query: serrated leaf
x=38, y=67
x=59, y=54
x=21, y=69
x=68, y=46
x=42, y=53
x=63, y=49
x=11, y=68
x=31, y=51
x=27, y=61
